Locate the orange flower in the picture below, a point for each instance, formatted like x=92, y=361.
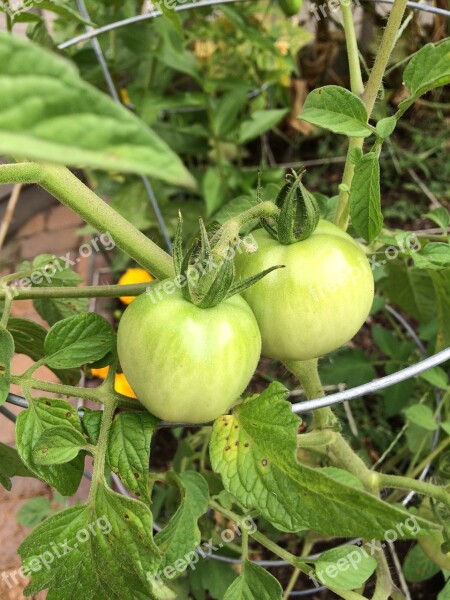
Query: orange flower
x=133, y=276
x=121, y=384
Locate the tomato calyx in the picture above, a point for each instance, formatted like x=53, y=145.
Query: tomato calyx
x=207, y=270
x=299, y=212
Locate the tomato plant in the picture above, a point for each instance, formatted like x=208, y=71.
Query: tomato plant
x=190, y=474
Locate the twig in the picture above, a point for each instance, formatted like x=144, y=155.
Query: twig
x=424, y=188
x=9, y=213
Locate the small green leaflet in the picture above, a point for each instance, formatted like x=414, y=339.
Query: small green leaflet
x=47, y=112
x=58, y=445
x=129, y=450
x=435, y=255
x=429, y=68
x=437, y=376
x=53, y=310
x=29, y=340
x=78, y=340
x=6, y=356
x=421, y=415
x=345, y=568
x=260, y=122
x=180, y=538
x=101, y=550
x=365, y=198
x=10, y=466
x=255, y=583
x=441, y=217
x=43, y=414
x=254, y=451
x=418, y=567
x=337, y=109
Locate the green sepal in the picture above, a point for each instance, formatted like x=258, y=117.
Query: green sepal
x=178, y=246
x=299, y=213
x=241, y=286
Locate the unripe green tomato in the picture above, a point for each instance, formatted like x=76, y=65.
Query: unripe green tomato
x=290, y=7
x=187, y=363
x=317, y=302
x=431, y=544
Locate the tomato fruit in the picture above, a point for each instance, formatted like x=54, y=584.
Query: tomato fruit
x=290, y=7
x=187, y=363
x=317, y=302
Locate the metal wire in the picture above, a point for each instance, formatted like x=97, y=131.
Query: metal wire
x=93, y=33
x=113, y=92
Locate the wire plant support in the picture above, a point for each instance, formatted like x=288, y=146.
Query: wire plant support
x=91, y=35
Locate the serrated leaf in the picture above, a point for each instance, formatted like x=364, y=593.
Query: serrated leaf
x=260, y=122
x=336, y=109
x=58, y=445
x=365, y=198
x=48, y=113
x=91, y=422
x=6, y=356
x=43, y=414
x=105, y=551
x=254, y=451
x=255, y=583
x=429, y=68
x=29, y=340
x=10, y=466
x=182, y=535
x=345, y=568
x=421, y=415
x=78, y=340
x=435, y=255
x=129, y=450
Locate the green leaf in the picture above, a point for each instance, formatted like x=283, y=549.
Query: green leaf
x=6, y=356
x=58, y=445
x=226, y=111
x=53, y=310
x=213, y=188
x=34, y=512
x=418, y=567
x=440, y=216
x=337, y=109
x=365, y=198
x=103, y=549
x=435, y=255
x=43, y=414
x=254, y=451
x=351, y=367
x=234, y=208
x=428, y=69
x=11, y=466
x=78, y=340
x=29, y=339
x=385, y=127
x=211, y=575
x=345, y=568
x=255, y=583
x=60, y=8
x=172, y=17
x=260, y=122
x=181, y=536
x=441, y=283
x=444, y=594
x=48, y=113
x=91, y=422
x=129, y=450
x=421, y=415
x=436, y=376
x=343, y=476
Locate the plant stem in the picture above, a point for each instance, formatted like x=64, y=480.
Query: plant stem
x=69, y=190
x=98, y=475
x=409, y=484
x=439, y=448
x=6, y=312
x=356, y=82
x=94, y=291
x=369, y=97
x=291, y=584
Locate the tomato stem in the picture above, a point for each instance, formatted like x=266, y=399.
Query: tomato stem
x=94, y=291
x=74, y=194
x=98, y=475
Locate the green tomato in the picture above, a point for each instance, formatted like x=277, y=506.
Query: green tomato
x=187, y=363
x=317, y=302
x=290, y=7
